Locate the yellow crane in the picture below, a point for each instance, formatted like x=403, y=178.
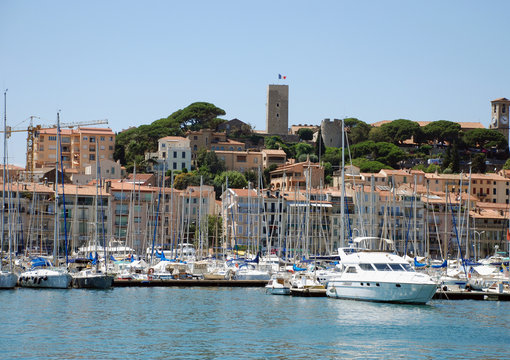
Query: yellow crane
x=33, y=132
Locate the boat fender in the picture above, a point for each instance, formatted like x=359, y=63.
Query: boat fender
x=45, y=278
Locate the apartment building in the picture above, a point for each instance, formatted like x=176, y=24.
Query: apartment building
x=241, y=160
x=80, y=147
x=175, y=151
x=292, y=176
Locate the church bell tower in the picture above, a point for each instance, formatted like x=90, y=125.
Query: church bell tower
x=499, y=116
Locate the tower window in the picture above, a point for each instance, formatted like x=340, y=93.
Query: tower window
x=503, y=108
x=494, y=109
x=277, y=104
x=277, y=115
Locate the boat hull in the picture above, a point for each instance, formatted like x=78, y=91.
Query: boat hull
x=8, y=280
x=308, y=292
x=45, y=279
x=409, y=293
x=277, y=290
x=93, y=282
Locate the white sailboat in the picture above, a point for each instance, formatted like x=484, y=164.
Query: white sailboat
x=8, y=278
x=40, y=275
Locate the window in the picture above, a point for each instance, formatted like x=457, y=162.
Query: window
x=41, y=138
x=351, y=270
x=503, y=108
x=85, y=138
x=113, y=171
x=52, y=138
x=474, y=181
x=382, y=267
x=163, y=154
x=494, y=191
x=92, y=148
x=110, y=147
x=92, y=139
x=239, y=148
x=277, y=115
x=163, y=145
x=396, y=267
x=84, y=147
x=366, y=267
x=183, y=166
x=111, y=138
x=175, y=154
x=255, y=160
x=175, y=166
x=184, y=155
x=52, y=147
x=102, y=156
x=277, y=104
x=92, y=157
x=66, y=139
x=41, y=147
x=195, y=137
x=487, y=191
x=103, y=138
x=195, y=148
x=474, y=191
x=102, y=147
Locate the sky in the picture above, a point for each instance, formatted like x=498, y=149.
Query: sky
x=133, y=62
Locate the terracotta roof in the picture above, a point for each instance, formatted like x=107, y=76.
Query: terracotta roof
x=274, y=152
x=244, y=192
x=71, y=189
x=173, y=138
x=501, y=99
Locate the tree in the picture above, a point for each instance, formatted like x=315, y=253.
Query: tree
x=402, y=129
x=215, y=230
x=478, y=164
x=442, y=131
x=208, y=162
x=357, y=130
x=305, y=134
x=236, y=180
x=379, y=134
x=267, y=178
x=183, y=180
x=371, y=166
x=303, y=149
x=507, y=165
x=137, y=141
x=485, y=139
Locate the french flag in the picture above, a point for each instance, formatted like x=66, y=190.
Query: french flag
x=280, y=76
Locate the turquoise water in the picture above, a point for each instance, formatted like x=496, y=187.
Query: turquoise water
x=233, y=323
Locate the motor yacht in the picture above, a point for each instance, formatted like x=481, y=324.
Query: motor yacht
x=378, y=276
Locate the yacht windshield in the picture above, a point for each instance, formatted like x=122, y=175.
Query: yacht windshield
x=366, y=267
x=407, y=267
x=396, y=267
x=382, y=267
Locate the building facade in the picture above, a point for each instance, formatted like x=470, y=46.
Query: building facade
x=80, y=147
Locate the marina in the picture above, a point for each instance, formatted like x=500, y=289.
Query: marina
x=228, y=323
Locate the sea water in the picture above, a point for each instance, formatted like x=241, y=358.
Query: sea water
x=237, y=323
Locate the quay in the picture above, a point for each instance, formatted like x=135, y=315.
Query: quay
x=189, y=283
x=471, y=295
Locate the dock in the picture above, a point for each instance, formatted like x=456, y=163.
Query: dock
x=471, y=295
x=189, y=283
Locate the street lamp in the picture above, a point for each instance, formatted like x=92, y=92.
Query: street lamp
x=477, y=250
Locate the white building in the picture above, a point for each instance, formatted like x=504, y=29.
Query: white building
x=175, y=151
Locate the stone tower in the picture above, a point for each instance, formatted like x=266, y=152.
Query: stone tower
x=332, y=132
x=277, y=109
x=499, y=115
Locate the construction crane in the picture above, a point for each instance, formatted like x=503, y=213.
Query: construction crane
x=33, y=132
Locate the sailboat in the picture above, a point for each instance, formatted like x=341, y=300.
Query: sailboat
x=8, y=278
x=94, y=278
x=42, y=274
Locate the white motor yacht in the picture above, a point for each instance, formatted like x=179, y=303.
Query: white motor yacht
x=279, y=284
x=379, y=276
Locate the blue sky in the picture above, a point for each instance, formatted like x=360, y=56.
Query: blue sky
x=133, y=62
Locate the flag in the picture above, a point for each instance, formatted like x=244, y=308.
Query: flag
x=280, y=76
x=507, y=234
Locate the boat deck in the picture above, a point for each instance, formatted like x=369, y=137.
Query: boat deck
x=471, y=295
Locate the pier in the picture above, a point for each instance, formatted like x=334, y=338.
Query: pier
x=471, y=295
x=189, y=283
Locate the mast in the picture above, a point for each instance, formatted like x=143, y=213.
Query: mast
x=342, y=197
x=55, y=211
x=3, y=182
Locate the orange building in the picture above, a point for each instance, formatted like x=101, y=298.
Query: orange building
x=79, y=147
